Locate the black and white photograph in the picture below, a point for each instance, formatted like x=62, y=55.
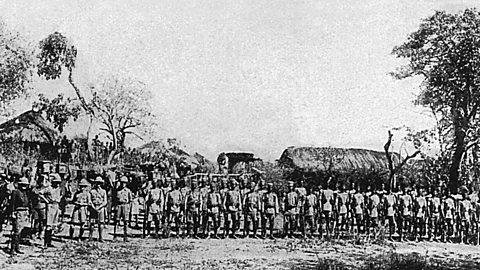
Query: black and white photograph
x=240, y=134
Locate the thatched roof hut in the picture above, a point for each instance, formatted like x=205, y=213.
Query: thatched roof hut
x=31, y=126
x=335, y=159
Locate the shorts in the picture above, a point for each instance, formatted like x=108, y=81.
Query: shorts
x=253, y=216
x=79, y=215
x=100, y=215
x=154, y=212
x=53, y=214
x=122, y=212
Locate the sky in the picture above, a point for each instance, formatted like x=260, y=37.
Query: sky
x=248, y=75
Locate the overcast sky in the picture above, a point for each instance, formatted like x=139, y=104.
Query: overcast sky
x=250, y=75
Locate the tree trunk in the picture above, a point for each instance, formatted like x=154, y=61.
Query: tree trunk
x=459, y=148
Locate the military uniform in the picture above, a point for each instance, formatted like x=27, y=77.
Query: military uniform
x=20, y=207
x=233, y=206
x=174, y=205
x=193, y=208
x=291, y=212
x=155, y=205
x=327, y=208
x=310, y=211
x=405, y=214
x=213, y=204
x=389, y=205
x=270, y=209
x=252, y=205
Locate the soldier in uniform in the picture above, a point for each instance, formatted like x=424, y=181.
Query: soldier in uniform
x=389, y=205
x=98, y=207
x=449, y=208
x=420, y=211
x=213, y=205
x=434, y=214
x=124, y=201
x=223, y=189
x=342, y=209
x=54, y=196
x=327, y=208
x=309, y=212
x=166, y=188
x=155, y=204
x=174, y=204
x=302, y=193
x=233, y=206
x=270, y=208
x=373, y=212
x=81, y=200
x=465, y=211
x=193, y=207
x=20, y=205
x=291, y=211
x=251, y=207
x=40, y=204
x=405, y=214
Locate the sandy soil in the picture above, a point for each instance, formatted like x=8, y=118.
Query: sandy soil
x=220, y=254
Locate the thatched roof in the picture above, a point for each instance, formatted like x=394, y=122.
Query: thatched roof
x=30, y=125
x=335, y=159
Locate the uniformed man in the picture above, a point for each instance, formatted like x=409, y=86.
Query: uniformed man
x=302, y=193
x=291, y=211
x=434, y=205
x=54, y=195
x=193, y=207
x=124, y=201
x=327, y=201
x=98, y=207
x=342, y=206
x=309, y=212
x=174, y=205
x=81, y=200
x=373, y=212
x=223, y=189
x=155, y=204
x=233, y=206
x=449, y=208
x=465, y=211
x=251, y=207
x=20, y=206
x=270, y=209
x=405, y=212
x=40, y=204
x=420, y=212
x=213, y=205
x=389, y=205
x=166, y=188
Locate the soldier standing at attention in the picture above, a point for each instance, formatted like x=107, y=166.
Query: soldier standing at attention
x=155, y=201
x=40, y=204
x=244, y=190
x=233, y=206
x=270, y=209
x=166, y=188
x=389, y=205
x=302, y=193
x=124, y=201
x=54, y=195
x=434, y=214
x=405, y=215
x=310, y=211
x=373, y=212
x=420, y=211
x=327, y=207
x=20, y=206
x=251, y=207
x=193, y=207
x=82, y=200
x=214, y=201
x=98, y=207
x=342, y=206
x=466, y=211
x=223, y=189
x=291, y=210
x=449, y=211
x=174, y=204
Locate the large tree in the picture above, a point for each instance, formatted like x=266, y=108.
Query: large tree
x=123, y=108
x=444, y=51
x=16, y=62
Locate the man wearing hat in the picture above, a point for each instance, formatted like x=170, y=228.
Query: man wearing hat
x=20, y=206
x=212, y=206
x=40, y=204
x=251, y=206
x=173, y=206
x=269, y=209
x=124, y=199
x=233, y=206
x=54, y=196
x=193, y=206
x=155, y=205
x=97, y=210
x=291, y=210
x=81, y=200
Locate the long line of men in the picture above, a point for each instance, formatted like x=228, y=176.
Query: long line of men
x=227, y=208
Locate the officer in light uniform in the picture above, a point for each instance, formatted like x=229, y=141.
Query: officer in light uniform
x=155, y=204
x=174, y=205
x=342, y=207
x=213, y=205
x=233, y=206
x=389, y=205
x=193, y=207
x=291, y=211
x=54, y=195
x=251, y=207
x=309, y=212
x=98, y=208
x=327, y=208
x=82, y=200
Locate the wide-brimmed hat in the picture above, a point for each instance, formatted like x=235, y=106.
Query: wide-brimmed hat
x=98, y=179
x=55, y=177
x=84, y=183
x=124, y=179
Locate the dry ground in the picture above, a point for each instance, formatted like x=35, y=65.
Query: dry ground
x=229, y=254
